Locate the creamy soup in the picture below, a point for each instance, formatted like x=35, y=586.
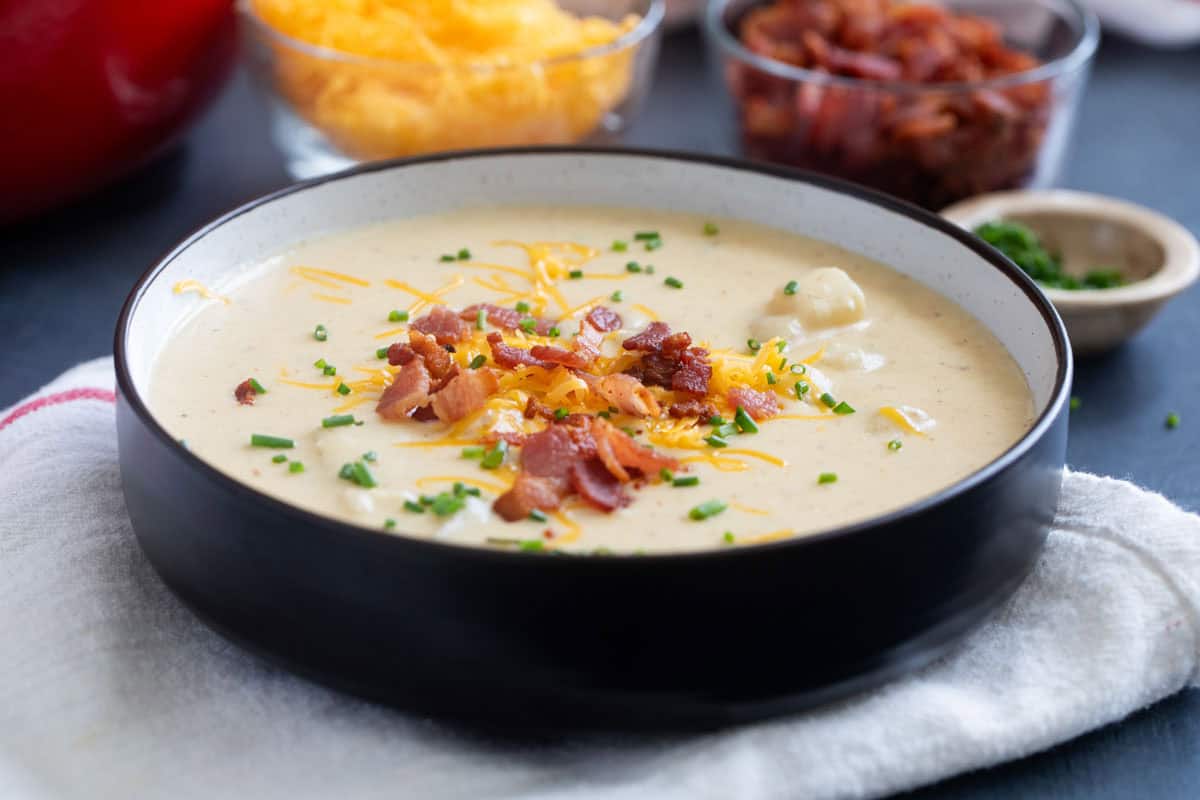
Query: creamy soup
x=358, y=376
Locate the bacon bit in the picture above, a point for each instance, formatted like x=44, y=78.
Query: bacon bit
x=245, y=393
x=437, y=360
x=527, y=493
x=626, y=393
x=464, y=393
x=649, y=340
x=557, y=355
x=604, y=319
x=537, y=410
x=400, y=353
x=692, y=408
x=694, y=372
x=628, y=452
x=443, y=325
x=409, y=391
x=423, y=414
x=587, y=342
x=759, y=405
x=604, y=452
x=597, y=486
x=510, y=357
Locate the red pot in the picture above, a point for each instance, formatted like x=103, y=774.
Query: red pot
x=90, y=89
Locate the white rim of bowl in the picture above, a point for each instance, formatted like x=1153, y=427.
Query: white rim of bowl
x=1181, y=250
x=651, y=22
x=1078, y=58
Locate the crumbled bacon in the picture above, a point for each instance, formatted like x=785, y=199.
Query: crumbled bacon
x=465, y=393
x=556, y=355
x=549, y=454
x=443, y=325
x=759, y=405
x=694, y=372
x=437, y=360
x=692, y=408
x=245, y=393
x=597, y=486
x=626, y=393
x=510, y=357
x=409, y=391
x=529, y=492
x=536, y=410
x=604, y=319
x=400, y=353
x=628, y=452
x=650, y=339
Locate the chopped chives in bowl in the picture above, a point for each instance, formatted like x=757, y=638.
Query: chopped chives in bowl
x=707, y=510
x=264, y=440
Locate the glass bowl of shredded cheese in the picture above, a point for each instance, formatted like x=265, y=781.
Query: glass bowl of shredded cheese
x=362, y=80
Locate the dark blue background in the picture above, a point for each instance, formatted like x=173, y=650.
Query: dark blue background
x=63, y=279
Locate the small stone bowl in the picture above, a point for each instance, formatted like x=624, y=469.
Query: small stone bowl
x=1157, y=256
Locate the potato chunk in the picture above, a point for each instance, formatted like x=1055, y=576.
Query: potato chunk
x=825, y=298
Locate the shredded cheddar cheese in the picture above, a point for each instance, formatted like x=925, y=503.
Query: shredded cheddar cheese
x=329, y=298
x=198, y=288
x=417, y=76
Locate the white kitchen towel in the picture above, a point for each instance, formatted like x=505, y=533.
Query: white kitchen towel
x=109, y=688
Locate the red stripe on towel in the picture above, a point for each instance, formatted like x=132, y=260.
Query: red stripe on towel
x=85, y=393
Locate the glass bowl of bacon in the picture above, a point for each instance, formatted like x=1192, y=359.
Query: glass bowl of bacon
x=931, y=103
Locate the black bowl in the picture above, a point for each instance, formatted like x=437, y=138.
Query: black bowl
x=658, y=641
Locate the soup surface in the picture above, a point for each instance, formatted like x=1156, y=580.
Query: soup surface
x=815, y=387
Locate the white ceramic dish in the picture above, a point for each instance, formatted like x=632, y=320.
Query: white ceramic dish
x=1157, y=255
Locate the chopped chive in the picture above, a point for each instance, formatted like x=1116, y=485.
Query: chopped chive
x=296, y=467
x=362, y=476
x=686, y=480
x=828, y=400
x=495, y=456
x=278, y=442
x=415, y=508
x=337, y=421
x=895, y=444
x=744, y=422
x=257, y=387
x=781, y=346
x=619, y=247
x=448, y=257
x=575, y=274
x=653, y=244
x=522, y=307
x=381, y=352
x=629, y=430
x=771, y=381
x=1172, y=421
x=753, y=345
x=648, y=269
x=480, y=319
x=646, y=236
x=801, y=389
x=616, y=296
x=843, y=408
x=446, y=504
x=426, y=499
x=459, y=489
x=707, y=510
x=464, y=254
x=554, y=333
x=827, y=477
x=478, y=361
x=716, y=441
x=666, y=475
x=604, y=414
x=396, y=315
x=711, y=229
x=716, y=420
x=346, y=473
x=674, y=283
x=389, y=524
x=371, y=456
x=330, y=369
x=473, y=452
x=343, y=389
x=725, y=430
x=782, y=363
x=320, y=363
x=1076, y=403
x=561, y=413
x=633, y=266
x=531, y=545
x=320, y=333
x=728, y=538
x=529, y=324
x=472, y=490
x=791, y=287
x=537, y=516
x=279, y=459
x=798, y=369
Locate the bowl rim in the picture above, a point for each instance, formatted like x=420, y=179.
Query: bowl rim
x=1079, y=57
x=1181, y=251
x=648, y=25
x=1057, y=402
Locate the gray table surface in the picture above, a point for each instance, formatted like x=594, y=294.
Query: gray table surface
x=64, y=277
